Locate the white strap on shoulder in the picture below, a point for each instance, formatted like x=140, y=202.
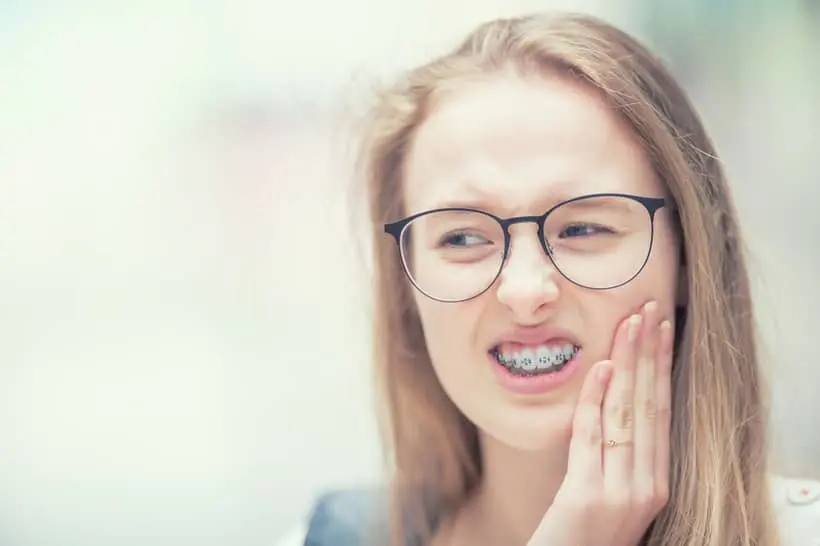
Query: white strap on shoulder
x=797, y=502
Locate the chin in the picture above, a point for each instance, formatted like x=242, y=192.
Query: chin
x=533, y=429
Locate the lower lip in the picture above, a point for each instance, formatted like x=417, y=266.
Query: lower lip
x=534, y=384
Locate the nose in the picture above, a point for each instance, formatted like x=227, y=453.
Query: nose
x=528, y=283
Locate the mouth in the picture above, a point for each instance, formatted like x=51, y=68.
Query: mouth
x=534, y=360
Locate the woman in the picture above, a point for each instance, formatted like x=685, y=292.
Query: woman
x=563, y=327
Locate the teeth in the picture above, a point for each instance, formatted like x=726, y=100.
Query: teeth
x=544, y=358
x=540, y=359
x=527, y=360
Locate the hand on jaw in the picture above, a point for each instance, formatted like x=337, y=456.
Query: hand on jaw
x=618, y=473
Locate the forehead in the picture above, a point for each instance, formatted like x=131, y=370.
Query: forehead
x=519, y=145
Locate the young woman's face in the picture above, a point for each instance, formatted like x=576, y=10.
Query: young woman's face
x=513, y=358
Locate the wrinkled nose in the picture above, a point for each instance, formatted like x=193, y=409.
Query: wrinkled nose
x=528, y=282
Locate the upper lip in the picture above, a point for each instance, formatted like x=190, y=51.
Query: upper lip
x=535, y=335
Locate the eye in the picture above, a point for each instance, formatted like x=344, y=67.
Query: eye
x=583, y=230
x=463, y=239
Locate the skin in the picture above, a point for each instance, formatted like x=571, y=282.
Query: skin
x=515, y=146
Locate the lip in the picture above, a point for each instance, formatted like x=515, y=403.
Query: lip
x=536, y=335
x=534, y=384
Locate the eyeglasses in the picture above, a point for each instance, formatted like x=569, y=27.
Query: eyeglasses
x=600, y=241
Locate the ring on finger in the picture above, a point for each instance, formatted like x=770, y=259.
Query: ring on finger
x=614, y=443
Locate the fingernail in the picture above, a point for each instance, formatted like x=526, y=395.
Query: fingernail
x=634, y=324
x=666, y=336
x=650, y=307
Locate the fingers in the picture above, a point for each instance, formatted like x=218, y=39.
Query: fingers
x=646, y=400
x=619, y=409
x=585, y=446
x=663, y=418
x=653, y=353
x=619, y=452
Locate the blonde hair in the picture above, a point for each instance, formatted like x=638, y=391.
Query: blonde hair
x=719, y=488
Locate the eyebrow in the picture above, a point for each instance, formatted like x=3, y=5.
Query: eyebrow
x=477, y=198
x=486, y=203
x=612, y=204
x=483, y=202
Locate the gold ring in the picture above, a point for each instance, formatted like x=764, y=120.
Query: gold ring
x=613, y=443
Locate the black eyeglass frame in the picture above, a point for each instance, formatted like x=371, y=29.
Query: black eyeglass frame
x=651, y=204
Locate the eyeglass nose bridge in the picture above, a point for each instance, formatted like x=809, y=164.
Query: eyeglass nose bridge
x=538, y=221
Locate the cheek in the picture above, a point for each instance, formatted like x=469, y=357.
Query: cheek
x=605, y=311
x=658, y=281
x=663, y=271
x=448, y=329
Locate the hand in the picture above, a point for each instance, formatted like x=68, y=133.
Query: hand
x=618, y=472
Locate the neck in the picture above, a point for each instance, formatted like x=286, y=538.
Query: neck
x=517, y=489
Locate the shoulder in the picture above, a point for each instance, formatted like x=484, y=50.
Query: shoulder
x=347, y=518
x=797, y=505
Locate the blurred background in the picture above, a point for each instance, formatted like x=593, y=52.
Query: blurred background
x=183, y=342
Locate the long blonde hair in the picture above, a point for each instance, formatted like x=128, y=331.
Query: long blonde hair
x=719, y=488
